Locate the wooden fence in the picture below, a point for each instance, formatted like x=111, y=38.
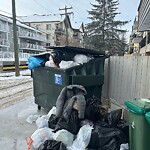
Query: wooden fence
x=127, y=78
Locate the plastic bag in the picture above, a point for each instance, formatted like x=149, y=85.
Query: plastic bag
x=32, y=118
x=80, y=58
x=34, y=62
x=124, y=146
x=52, y=145
x=67, y=64
x=72, y=124
x=64, y=136
x=101, y=137
x=52, y=111
x=83, y=138
x=42, y=122
x=86, y=122
x=52, y=121
x=92, y=111
x=112, y=118
x=41, y=135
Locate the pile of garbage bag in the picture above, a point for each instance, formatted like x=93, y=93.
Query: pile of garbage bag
x=77, y=123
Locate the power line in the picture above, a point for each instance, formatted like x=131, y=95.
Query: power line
x=66, y=23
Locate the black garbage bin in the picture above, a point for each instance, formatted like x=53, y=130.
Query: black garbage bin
x=48, y=82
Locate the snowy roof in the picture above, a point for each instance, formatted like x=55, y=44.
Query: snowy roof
x=8, y=19
x=40, y=18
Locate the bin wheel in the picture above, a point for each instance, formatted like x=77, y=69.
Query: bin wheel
x=39, y=107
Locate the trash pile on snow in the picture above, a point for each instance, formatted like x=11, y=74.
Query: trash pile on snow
x=77, y=123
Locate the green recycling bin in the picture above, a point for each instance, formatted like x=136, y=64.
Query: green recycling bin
x=48, y=81
x=139, y=124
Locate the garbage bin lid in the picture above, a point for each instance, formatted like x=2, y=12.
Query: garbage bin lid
x=147, y=116
x=77, y=50
x=140, y=106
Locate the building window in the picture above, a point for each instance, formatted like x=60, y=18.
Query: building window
x=37, y=27
x=48, y=44
x=48, y=36
x=48, y=27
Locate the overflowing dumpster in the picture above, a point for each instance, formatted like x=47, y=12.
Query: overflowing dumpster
x=49, y=81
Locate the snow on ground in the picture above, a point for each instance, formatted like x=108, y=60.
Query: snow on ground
x=11, y=75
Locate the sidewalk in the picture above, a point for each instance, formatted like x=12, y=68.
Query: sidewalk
x=14, y=127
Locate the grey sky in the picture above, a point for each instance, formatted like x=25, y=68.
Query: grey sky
x=128, y=8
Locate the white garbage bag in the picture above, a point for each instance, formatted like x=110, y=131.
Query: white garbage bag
x=80, y=58
x=64, y=136
x=67, y=64
x=124, y=146
x=32, y=118
x=40, y=136
x=83, y=138
x=42, y=122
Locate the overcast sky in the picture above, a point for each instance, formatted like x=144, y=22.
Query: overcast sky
x=127, y=8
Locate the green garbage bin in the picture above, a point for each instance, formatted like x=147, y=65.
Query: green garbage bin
x=139, y=125
x=48, y=82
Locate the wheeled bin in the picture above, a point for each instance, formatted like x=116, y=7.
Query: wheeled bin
x=48, y=81
x=139, y=127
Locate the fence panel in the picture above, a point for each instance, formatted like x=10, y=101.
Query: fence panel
x=127, y=78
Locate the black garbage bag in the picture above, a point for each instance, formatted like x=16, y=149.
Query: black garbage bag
x=102, y=137
x=111, y=119
x=112, y=145
x=72, y=124
x=92, y=111
x=52, y=121
x=52, y=145
x=124, y=126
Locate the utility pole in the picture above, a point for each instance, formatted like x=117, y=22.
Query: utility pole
x=15, y=39
x=66, y=22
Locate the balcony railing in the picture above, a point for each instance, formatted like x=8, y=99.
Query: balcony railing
x=4, y=43
x=9, y=56
x=31, y=46
x=32, y=35
x=59, y=31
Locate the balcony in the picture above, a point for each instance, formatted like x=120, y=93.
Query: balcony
x=4, y=43
x=30, y=46
x=32, y=36
x=59, y=31
x=144, y=15
x=9, y=56
x=3, y=28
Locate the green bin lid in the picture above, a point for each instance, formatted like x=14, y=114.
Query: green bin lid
x=140, y=106
x=147, y=116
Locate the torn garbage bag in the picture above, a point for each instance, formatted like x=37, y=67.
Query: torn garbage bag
x=52, y=145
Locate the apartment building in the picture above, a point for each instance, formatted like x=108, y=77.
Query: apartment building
x=144, y=26
x=5, y=30
x=135, y=38
x=29, y=39
x=56, y=29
